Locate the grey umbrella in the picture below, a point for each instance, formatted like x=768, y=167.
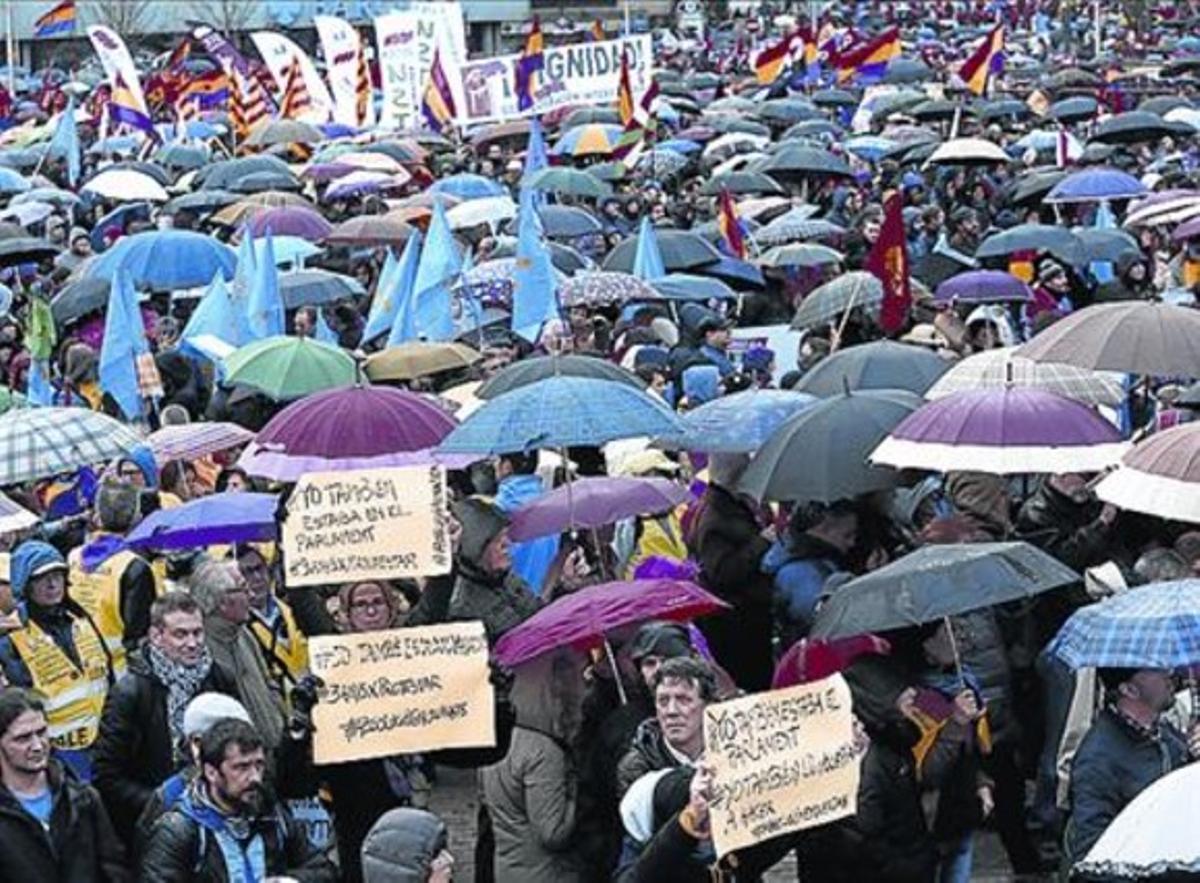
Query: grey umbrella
x=78, y=298
x=24, y=250
x=741, y=182
x=1132, y=128
x=883, y=364
x=257, y=182
x=222, y=174
x=907, y=70
x=1062, y=244
x=1107, y=245
x=1073, y=110
x=203, y=201
x=835, y=98
x=829, y=302
x=935, y=582
x=681, y=250
x=799, y=160
x=821, y=454
x=529, y=371
x=311, y=287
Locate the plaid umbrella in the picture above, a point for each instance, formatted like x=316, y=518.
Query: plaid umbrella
x=1156, y=626
x=43, y=442
x=998, y=368
x=828, y=302
x=191, y=441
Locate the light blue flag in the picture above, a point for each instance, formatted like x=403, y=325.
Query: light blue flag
x=536, y=157
x=647, y=260
x=243, y=273
x=38, y=389
x=322, y=332
x=1102, y=271
x=218, y=316
x=65, y=143
x=439, y=267
x=404, y=280
x=383, y=306
x=124, y=341
x=534, y=288
x=469, y=315
x=265, y=304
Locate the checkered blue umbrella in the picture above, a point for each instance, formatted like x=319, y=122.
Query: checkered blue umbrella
x=44, y=442
x=1154, y=626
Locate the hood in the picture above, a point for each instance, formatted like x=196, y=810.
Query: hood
x=517, y=490
x=794, y=547
x=665, y=639
x=32, y=558
x=481, y=521
x=401, y=846
x=547, y=692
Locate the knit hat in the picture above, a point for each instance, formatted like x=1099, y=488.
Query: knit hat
x=665, y=639
x=77, y=233
x=208, y=708
x=33, y=558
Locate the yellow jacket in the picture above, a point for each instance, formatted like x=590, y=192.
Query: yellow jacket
x=99, y=593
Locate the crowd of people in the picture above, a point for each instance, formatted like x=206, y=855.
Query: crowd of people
x=156, y=715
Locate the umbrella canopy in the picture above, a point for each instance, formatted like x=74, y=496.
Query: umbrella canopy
x=1033, y=186
x=12, y=182
x=741, y=182
x=1137, y=337
x=939, y=581
x=1073, y=110
x=1009, y=431
x=1157, y=626
x=418, y=358
x=602, y=288
x=260, y=182
x=126, y=185
x=285, y=368
x=569, y=182
x=1107, y=245
x=560, y=412
x=805, y=254
x=821, y=453
x=680, y=249
x=739, y=423
x=360, y=427
x=879, y=365
x=372, y=230
x=203, y=201
x=44, y=442
x=591, y=139
x=684, y=286
x=284, y=131
x=492, y=211
x=313, y=287
x=1159, y=476
x=1002, y=367
x=527, y=371
x=296, y=220
x=828, y=302
x=219, y=176
x=967, y=152
x=216, y=519
x=1040, y=238
x=467, y=186
x=582, y=619
x=1131, y=128
x=983, y=287
x=246, y=206
x=1089, y=185
x=78, y=298
x=14, y=517
x=191, y=441
x=165, y=260
x=1146, y=841
x=567, y=221
x=594, y=502
x=24, y=250
x=797, y=160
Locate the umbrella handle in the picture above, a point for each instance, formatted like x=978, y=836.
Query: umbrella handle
x=958, y=670
x=612, y=661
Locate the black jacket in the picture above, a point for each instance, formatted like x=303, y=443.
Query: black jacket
x=180, y=851
x=726, y=541
x=80, y=846
x=1067, y=530
x=648, y=753
x=133, y=754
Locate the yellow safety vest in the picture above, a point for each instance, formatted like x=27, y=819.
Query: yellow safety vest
x=99, y=593
x=74, y=698
x=284, y=646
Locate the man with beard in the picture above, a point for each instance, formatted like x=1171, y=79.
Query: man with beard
x=228, y=826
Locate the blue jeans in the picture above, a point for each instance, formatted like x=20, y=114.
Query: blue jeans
x=955, y=865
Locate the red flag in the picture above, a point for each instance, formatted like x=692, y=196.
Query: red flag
x=888, y=260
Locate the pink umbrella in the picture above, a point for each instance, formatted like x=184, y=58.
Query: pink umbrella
x=584, y=618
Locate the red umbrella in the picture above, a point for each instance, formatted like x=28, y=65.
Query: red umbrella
x=811, y=660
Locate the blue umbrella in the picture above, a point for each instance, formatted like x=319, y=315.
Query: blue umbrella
x=166, y=260
x=1154, y=626
x=1095, y=184
x=739, y=274
x=220, y=518
x=117, y=219
x=337, y=130
x=561, y=412
x=467, y=186
x=738, y=423
x=116, y=144
x=12, y=181
x=871, y=147
x=681, y=145
x=684, y=286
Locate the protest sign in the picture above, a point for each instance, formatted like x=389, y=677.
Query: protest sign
x=399, y=67
x=402, y=691
x=782, y=761
x=366, y=524
x=780, y=339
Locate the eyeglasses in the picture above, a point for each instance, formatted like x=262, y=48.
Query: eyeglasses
x=368, y=604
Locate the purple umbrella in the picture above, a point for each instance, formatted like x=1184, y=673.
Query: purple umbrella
x=324, y=172
x=983, y=287
x=1007, y=431
x=290, y=220
x=221, y=518
x=360, y=427
x=1186, y=230
x=594, y=502
x=584, y=618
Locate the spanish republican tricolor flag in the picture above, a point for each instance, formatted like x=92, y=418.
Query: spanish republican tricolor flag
x=59, y=20
x=732, y=237
x=437, y=101
x=987, y=59
x=867, y=61
x=625, y=92
x=771, y=61
x=596, y=31
x=124, y=109
x=531, y=63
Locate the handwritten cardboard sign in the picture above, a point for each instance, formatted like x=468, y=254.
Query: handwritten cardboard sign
x=402, y=691
x=366, y=524
x=782, y=761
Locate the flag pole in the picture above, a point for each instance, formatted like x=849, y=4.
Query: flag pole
x=10, y=45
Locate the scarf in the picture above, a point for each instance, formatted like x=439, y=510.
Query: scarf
x=242, y=850
x=182, y=683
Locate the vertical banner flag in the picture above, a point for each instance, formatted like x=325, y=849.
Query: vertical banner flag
x=277, y=52
x=440, y=26
x=888, y=261
x=342, y=46
x=399, y=70
x=117, y=62
x=986, y=60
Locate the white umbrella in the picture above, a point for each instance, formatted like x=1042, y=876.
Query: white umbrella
x=1160, y=476
x=1171, y=211
x=490, y=210
x=14, y=517
x=1152, y=835
x=126, y=185
x=371, y=162
x=27, y=213
x=738, y=141
x=996, y=368
x=967, y=151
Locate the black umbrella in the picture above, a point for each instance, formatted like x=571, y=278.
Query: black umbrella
x=935, y=109
x=25, y=250
x=78, y=298
x=812, y=128
x=798, y=160
x=1062, y=244
x=681, y=250
x=728, y=124
x=834, y=98
x=202, y=201
x=788, y=111
x=820, y=455
x=529, y=371
x=857, y=290
x=939, y=581
x=222, y=174
x=1004, y=108
x=907, y=70
x=257, y=182
x=1073, y=110
x=1163, y=104
x=1072, y=76
x=1132, y=128
x=882, y=364
x=1032, y=186
x=563, y=257
x=741, y=182
x=565, y=222
x=311, y=287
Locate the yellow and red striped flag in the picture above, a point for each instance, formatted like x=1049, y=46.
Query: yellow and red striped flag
x=295, y=98
x=362, y=88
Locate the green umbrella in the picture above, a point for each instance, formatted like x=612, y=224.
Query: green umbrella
x=285, y=368
x=569, y=181
x=10, y=399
